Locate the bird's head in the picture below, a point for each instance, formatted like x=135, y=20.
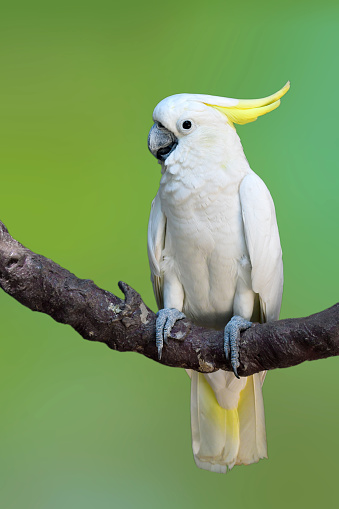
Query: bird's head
x=184, y=121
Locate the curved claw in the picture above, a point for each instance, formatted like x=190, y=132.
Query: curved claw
x=166, y=319
x=231, y=340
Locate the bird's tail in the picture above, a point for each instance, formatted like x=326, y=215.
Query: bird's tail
x=228, y=421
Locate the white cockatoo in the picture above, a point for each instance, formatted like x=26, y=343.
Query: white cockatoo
x=215, y=257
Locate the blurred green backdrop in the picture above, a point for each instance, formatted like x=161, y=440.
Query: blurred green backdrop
x=82, y=426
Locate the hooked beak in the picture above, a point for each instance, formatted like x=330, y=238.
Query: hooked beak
x=161, y=142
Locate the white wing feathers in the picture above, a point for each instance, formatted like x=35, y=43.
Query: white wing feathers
x=263, y=243
x=155, y=245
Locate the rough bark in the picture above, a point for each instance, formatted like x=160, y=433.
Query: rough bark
x=129, y=325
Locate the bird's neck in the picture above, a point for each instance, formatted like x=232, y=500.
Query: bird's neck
x=208, y=166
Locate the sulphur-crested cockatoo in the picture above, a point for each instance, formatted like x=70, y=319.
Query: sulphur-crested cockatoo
x=215, y=256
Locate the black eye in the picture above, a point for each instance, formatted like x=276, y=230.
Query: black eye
x=187, y=124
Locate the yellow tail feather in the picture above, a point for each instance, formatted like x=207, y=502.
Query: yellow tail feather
x=223, y=437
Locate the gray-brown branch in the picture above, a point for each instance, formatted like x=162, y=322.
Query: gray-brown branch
x=129, y=325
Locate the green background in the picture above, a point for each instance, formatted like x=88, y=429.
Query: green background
x=82, y=426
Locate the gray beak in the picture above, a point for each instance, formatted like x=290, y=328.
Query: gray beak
x=161, y=142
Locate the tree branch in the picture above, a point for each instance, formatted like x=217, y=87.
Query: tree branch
x=129, y=325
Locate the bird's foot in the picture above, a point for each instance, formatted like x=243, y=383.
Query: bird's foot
x=166, y=319
x=231, y=340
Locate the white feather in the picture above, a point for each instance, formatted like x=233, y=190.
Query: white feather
x=155, y=246
x=262, y=239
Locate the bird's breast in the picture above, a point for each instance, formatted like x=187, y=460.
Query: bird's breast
x=204, y=246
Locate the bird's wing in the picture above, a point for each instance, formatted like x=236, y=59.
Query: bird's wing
x=263, y=244
x=155, y=245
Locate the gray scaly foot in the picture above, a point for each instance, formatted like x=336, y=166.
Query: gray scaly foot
x=231, y=340
x=166, y=319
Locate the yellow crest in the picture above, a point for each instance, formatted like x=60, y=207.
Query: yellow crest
x=248, y=110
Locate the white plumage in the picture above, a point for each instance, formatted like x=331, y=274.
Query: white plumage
x=214, y=252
